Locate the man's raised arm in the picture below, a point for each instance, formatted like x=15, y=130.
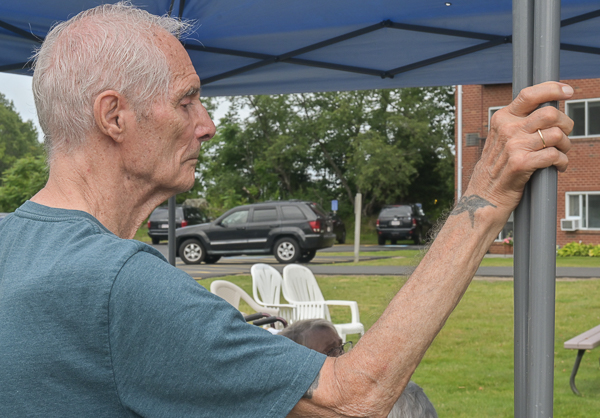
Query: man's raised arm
x=369, y=379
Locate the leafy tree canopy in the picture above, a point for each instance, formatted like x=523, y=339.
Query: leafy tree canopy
x=393, y=146
x=20, y=182
x=17, y=138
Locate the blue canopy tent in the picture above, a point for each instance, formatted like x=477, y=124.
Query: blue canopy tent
x=283, y=46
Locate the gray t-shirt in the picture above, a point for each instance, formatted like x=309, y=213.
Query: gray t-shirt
x=97, y=326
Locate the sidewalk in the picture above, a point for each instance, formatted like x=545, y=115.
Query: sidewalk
x=332, y=269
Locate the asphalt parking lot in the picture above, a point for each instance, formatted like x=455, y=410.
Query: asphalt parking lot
x=324, y=264
x=227, y=266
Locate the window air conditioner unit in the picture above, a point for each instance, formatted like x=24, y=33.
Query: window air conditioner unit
x=569, y=224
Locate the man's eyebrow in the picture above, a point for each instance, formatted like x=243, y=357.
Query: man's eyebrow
x=193, y=91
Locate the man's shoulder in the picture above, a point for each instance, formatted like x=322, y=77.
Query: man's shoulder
x=68, y=243
x=63, y=230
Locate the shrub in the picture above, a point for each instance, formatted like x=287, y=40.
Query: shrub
x=594, y=251
x=576, y=249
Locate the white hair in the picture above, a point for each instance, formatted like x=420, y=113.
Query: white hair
x=302, y=332
x=109, y=47
x=413, y=403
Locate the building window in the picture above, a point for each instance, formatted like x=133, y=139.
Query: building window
x=584, y=206
x=586, y=115
x=507, y=231
x=491, y=112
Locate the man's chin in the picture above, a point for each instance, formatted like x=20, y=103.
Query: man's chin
x=187, y=184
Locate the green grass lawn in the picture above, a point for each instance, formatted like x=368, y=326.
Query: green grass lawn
x=142, y=234
x=412, y=257
x=468, y=370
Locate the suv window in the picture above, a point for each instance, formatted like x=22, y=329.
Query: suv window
x=291, y=213
x=317, y=209
x=196, y=215
x=398, y=211
x=192, y=214
x=236, y=218
x=162, y=214
x=264, y=215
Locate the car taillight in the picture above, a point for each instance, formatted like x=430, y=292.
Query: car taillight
x=315, y=225
x=377, y=222
x=184, y=223
x=414, y=221
x=148, y=224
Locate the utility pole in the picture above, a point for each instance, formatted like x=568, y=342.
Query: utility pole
x=357, y=215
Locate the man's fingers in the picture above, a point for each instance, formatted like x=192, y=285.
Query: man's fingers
x=551, y=137
x=550, y=157
x=530, y=98
x=546, y=117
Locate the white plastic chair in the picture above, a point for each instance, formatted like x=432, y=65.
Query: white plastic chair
x=232, y=293
x=300, y=288
x=266, y=289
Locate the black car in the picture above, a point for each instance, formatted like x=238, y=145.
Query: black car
x=402, y=222
x=339, y=228
x=290, y=230
x=158, y=223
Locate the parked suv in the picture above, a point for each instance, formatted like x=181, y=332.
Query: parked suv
x=158, y=223
x=339, y=228
x=402, y=222
x=290, y=230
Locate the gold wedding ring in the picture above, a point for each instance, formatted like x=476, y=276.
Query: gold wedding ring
x=542, y=138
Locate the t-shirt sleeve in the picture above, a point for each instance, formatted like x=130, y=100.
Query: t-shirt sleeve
x=178, y=350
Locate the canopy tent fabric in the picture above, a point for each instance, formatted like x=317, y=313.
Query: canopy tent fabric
x=283, y=46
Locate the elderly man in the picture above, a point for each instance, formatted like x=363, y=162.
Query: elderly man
x=95, y=324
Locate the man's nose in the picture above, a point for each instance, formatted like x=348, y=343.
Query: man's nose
x=205, y=128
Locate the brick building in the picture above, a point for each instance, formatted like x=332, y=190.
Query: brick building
x=578, y=188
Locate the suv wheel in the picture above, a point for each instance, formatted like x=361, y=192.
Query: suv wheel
x=307, y=256
x=191, y=251
x=417, y=238
x=286, y=250
x=380, y=240
x=342, y=238
x=155, y=241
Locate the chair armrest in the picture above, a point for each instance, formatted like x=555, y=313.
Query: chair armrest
x=287, y=312
x=350, y=303
x=273, y=305
x=277, y=305
x=257, y=306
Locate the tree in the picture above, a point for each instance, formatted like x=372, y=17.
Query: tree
x=259, y=159
x=391, y=145
x=21, y=181
x=17, y=138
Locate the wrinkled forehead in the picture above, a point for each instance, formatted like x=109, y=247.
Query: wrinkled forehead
x=178, y=59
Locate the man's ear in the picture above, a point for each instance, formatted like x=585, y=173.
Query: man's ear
x=111, y=111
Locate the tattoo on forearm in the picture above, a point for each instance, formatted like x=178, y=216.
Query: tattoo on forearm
x=470, y=204
x=314, y=385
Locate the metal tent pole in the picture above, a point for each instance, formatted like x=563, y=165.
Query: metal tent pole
x=172, y=226
x=459, y=135
x=522, y=77
x=542, y=272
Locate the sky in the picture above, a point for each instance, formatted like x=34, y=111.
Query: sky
x=17, y=88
